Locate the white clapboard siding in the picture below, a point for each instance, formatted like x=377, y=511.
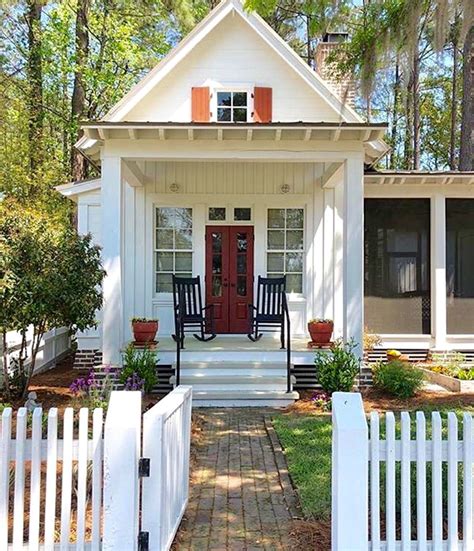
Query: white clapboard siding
x=79, y=460
x=166, y=441
x=419, y=448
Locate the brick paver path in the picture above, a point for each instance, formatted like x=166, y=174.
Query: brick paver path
x=237, y=500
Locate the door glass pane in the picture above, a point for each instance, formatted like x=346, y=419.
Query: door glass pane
x=242, y=286
x=276, y=239
x=216, y=286
x=241, y=263
x=216, y=264
x=275, y=262
x=183, y=262
x=276, y=218
x=241, y=242
x=216, y=242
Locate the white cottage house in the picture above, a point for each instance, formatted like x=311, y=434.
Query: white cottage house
x=233, y=137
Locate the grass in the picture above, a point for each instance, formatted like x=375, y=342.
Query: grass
x=306, y=439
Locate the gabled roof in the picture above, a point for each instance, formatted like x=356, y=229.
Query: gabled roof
x=279, y=46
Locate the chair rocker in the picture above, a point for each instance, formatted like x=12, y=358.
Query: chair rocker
x=189, y=313
x=271, y=309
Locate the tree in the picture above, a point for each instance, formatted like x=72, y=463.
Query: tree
x=466, y=155
x=50, y=277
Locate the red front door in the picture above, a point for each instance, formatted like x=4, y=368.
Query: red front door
x=229, y=276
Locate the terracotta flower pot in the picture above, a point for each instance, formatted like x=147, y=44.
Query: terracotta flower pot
x=321, y=331
x=144, y=331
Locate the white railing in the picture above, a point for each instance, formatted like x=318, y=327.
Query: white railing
x=54, y=345
x=45, y=510
x=82, y=491
x=409, y=485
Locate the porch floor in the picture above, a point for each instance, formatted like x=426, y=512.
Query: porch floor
x=234, y=343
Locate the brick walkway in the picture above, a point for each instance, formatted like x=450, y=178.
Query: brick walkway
x=240, y=500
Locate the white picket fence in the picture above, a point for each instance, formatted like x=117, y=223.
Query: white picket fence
x=54, y=346
x=426, y=475
x=82, y=491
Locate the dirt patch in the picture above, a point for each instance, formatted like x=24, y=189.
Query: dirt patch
x=315, y=535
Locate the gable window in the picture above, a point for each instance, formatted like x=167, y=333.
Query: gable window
x=285, y=246
x=173, y=245
x=232, y=106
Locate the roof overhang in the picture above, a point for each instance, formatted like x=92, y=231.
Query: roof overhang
x=418, y=177
x=72, y=189
x=96, y=133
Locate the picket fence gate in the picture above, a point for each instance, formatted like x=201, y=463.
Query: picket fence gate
x=91, y=488
x=426, y=476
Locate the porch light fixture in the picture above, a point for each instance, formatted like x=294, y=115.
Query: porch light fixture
x=285, y=188
x=174, y=188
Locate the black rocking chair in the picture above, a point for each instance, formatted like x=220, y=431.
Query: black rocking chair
x=271, y=310
x=189, y=313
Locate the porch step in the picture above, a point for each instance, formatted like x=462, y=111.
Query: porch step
x=243, y=398
x=211, y=381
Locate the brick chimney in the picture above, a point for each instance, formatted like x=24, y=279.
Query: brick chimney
x=343, y=86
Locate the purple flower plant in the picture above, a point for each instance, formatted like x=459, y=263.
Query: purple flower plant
x=134, y=382
x=322, y=400
x=84, y=384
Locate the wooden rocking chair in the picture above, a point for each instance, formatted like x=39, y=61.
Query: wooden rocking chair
x=271, y=310
x=189, y=313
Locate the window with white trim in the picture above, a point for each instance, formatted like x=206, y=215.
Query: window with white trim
x=232, y=106
x=173, y=245
x=285, y=246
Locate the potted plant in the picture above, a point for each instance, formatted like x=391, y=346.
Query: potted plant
x=320, y=330
x=144, y=330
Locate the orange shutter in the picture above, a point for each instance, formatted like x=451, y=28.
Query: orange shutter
x=262, y=104
x=200, y=104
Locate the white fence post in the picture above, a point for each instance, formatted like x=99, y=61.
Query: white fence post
x=350, y=481
x=121, y=484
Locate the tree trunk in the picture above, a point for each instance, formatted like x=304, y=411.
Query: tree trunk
x=6, y=374
x=466, y=160
x=78, y=161
x=396, y=107
x=416, y=110
x=454, y=102
x=35, y=82
x=309, y=53
x=408, y=140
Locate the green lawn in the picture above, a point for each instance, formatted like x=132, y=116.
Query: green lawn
x=306, y=440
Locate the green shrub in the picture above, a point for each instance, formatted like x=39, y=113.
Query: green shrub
x=139, y=369
x=398, y=378
x=337, y=369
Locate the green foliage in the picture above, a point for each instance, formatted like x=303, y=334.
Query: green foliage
x=454, y=366
x=337, y=369
x=139, y=365
x=398, y=378
x=49, y=277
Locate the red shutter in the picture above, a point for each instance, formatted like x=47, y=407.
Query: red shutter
x=200, y=104
x=262, y=104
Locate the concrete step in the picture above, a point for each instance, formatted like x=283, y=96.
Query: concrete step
x=233, y=365
x=243, y=398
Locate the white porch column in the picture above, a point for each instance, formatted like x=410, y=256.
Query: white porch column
x=112, y=223
x=438, y=270
x=353, y=251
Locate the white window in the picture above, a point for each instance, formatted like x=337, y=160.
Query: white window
x=232, y=106
x=173, y=245
x=285, y=246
